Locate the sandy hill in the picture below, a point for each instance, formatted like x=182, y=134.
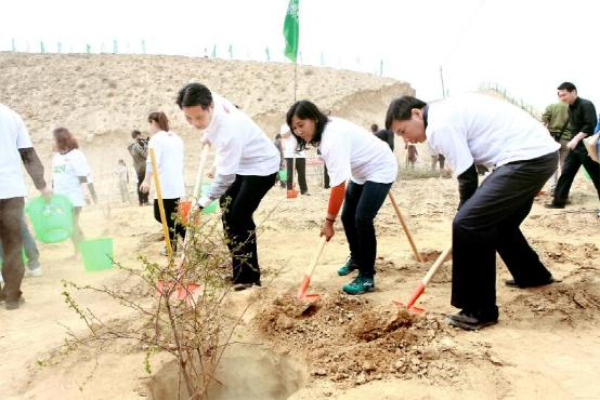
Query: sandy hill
x=101, y=98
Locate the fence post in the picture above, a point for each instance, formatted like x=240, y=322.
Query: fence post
x=115, y=47
x=143, y=46
x=13, y=45
x=42, y=47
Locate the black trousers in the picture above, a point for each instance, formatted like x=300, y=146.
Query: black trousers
x=171, y=210
x=301, y=169
x=361, y=205
x=575, y=159
x=142, y=197
x=238, y=204
x=325, y=177
x=11, y=214
x=490, y=221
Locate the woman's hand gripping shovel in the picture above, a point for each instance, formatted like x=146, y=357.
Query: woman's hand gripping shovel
x=310, y=299
x=421, y=286
x=183, y=290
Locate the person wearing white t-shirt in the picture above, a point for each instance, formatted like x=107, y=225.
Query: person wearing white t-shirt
x=70, y=172
x=246, y=167
x=349, y=153
x=15, y=148
x=293, y=156
x=169, y=153
x=478, y=129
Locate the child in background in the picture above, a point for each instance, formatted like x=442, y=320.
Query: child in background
x=279, y=146
x=123, y=175
x=411, y=155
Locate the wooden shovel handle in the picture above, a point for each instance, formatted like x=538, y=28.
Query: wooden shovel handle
x=405, y=227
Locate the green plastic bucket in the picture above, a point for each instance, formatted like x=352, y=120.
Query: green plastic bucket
x=283, y=175
x=52, y=220
x=97, y=254
x=212, y=207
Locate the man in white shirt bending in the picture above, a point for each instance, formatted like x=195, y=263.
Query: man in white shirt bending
x=478, y=129
x=15, y=147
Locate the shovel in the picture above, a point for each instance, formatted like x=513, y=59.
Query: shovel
x=405, y=227
x=293, y=193
x=186, y=290
x=421, y=286
x=302, y=295
x=161, y=206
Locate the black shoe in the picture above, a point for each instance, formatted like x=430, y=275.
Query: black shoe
x=472, y=321
x=238, y=287
x=523, y=285
x=554, y=205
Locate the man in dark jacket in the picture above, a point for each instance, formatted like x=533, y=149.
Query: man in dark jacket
x=139, y=152
x=582, y=121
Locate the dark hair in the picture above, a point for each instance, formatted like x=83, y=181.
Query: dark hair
x=374, y=128
x=568, y=86
x=400, y=109
x=65, y=141
x=305, y=109
x=161, y=120
x=194, y=94
x=135, y=134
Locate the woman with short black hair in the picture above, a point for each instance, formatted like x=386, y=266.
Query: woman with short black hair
x=246, y=167
x=349, y=153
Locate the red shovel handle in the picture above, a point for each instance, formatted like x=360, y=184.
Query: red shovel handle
x=303, y=287
x=418, y=292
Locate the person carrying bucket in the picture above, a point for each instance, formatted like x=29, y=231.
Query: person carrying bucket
x=477, y=129
x=15, y=147
x=70, y=171
x=169, y=153
x=246, y=168
x=349, y=153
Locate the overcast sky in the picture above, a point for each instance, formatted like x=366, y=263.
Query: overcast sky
x=526, y=46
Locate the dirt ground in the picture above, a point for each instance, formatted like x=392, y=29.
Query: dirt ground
x=546, y=346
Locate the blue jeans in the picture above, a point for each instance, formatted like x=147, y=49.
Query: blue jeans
x=31, y=251
x=361, y=205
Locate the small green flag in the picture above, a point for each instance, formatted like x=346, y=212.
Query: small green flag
x=291, y=30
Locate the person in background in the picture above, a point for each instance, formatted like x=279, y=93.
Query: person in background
x=294, y=156
x=139, y=152
x=279, y=146
x=350, y=153
x=478, y=129
x=246, y=169
x=169, y=154
x=411, y=155
x=556, y=119
x=15, y=148
x=123, y=176
x=70, y=171
x=384, y=134
x=582, y=121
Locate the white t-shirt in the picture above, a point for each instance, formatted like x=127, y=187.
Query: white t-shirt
x=241, y=146
x=168, y=149
x=476, y=128
x=290, y=144
x=13, y=136
x=351, y=152
x=66, y=170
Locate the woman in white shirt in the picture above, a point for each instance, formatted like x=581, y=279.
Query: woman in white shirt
x=168, y=150
x=246, y=167
x=70, y=172
x=350, y=153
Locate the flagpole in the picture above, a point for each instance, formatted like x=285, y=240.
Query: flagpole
x=295, y=81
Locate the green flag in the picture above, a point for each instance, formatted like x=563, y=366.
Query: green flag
x=291, y=30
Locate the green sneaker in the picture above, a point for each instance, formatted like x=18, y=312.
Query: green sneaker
x=360, y=285
x=348, y=268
